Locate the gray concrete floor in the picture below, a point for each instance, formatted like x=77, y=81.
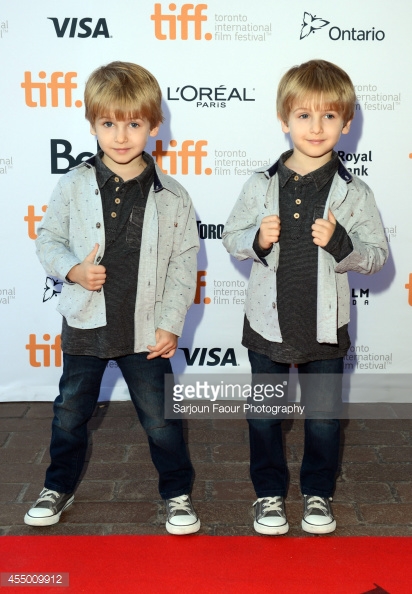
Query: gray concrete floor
x=118, y=492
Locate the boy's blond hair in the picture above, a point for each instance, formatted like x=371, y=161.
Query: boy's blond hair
x=320, y=83
x=123, y=90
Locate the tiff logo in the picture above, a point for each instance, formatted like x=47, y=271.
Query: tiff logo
x=167, y=25
x=35, y=347
x=31, y=219
x=58, y=82
x=199, y=284
x=409, y=287
x=186, y=154
x=83, y=25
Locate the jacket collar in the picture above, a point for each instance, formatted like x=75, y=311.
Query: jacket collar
x=160, y=181
x=272, y=170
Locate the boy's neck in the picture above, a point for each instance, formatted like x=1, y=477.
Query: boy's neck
x=127, y=170
x=302, y=164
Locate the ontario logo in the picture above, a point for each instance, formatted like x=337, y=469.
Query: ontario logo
x=52, y=288
x=312, y=24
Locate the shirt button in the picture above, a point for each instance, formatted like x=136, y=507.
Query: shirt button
x=114, y=215
x=298, y=201
x=117, y=200
x=96, y=191
x=98, y=225
x=116, y=179
x=117, y=189
x=98, y=259
x=274, y=305
x=296, y=215
x=296, y=178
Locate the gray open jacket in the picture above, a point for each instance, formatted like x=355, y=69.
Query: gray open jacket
x=353, y=205
x=73, y=224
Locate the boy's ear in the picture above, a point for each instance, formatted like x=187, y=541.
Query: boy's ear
x=285, y=127
x=154, y=131
x=92, y=130
x=346, y=127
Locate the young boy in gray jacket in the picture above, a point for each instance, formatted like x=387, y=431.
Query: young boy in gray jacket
x=123, y=237
x=305, y=222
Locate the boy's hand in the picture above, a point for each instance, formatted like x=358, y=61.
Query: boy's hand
x=322, y=230
x=165, y=347
x=269, y=231
x=89, y=275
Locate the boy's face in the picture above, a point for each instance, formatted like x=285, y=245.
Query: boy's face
x=122, y=141
x=314, y=132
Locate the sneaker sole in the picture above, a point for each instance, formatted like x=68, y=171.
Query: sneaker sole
x=177, y=530
x=48, y=520
x=312, y=529
x=271, y=530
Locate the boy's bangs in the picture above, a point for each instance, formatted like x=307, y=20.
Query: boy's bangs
x=319, y=101
x=119, y=110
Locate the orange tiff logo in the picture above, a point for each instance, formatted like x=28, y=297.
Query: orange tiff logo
x=199, y=284
x=44, y=348
x=167, y=25
x=190, y=151
x=58, y=82
x=31, y=219
x=409, y=287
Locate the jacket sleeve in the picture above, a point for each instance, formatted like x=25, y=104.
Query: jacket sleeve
x=181, y=275
x=244, y=222
x=365, y=229
x=52, y=243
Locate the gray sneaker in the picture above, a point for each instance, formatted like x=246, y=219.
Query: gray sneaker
x=317, y=515
x=270, y=517
x=181, y=517
x=48, y=508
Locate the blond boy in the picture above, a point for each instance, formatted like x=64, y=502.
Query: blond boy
x=122, y=236
x=305, y=222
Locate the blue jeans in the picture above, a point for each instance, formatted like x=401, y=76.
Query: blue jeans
x=79, y=391
x=322, y=396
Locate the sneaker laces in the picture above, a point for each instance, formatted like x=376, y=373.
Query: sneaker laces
x=271, y=504
x=180, y=504
x=48, y=495
x=316, y=502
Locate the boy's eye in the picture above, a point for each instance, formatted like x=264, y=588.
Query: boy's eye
x=304, y=116
x=134, y=124
x=108, y=124
x=329, y=116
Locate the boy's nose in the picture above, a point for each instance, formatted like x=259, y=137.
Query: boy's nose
x=316, y=126
x=121, y=136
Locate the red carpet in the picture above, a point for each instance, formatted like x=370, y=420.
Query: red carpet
x=211, y=564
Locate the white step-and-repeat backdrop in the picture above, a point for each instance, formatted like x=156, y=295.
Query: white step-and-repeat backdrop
x=218, y=65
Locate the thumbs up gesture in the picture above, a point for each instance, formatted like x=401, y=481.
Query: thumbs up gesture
x=89, y=275
x=322, y=230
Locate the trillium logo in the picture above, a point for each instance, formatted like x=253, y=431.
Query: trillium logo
x=52, y=288
x=311, y=24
